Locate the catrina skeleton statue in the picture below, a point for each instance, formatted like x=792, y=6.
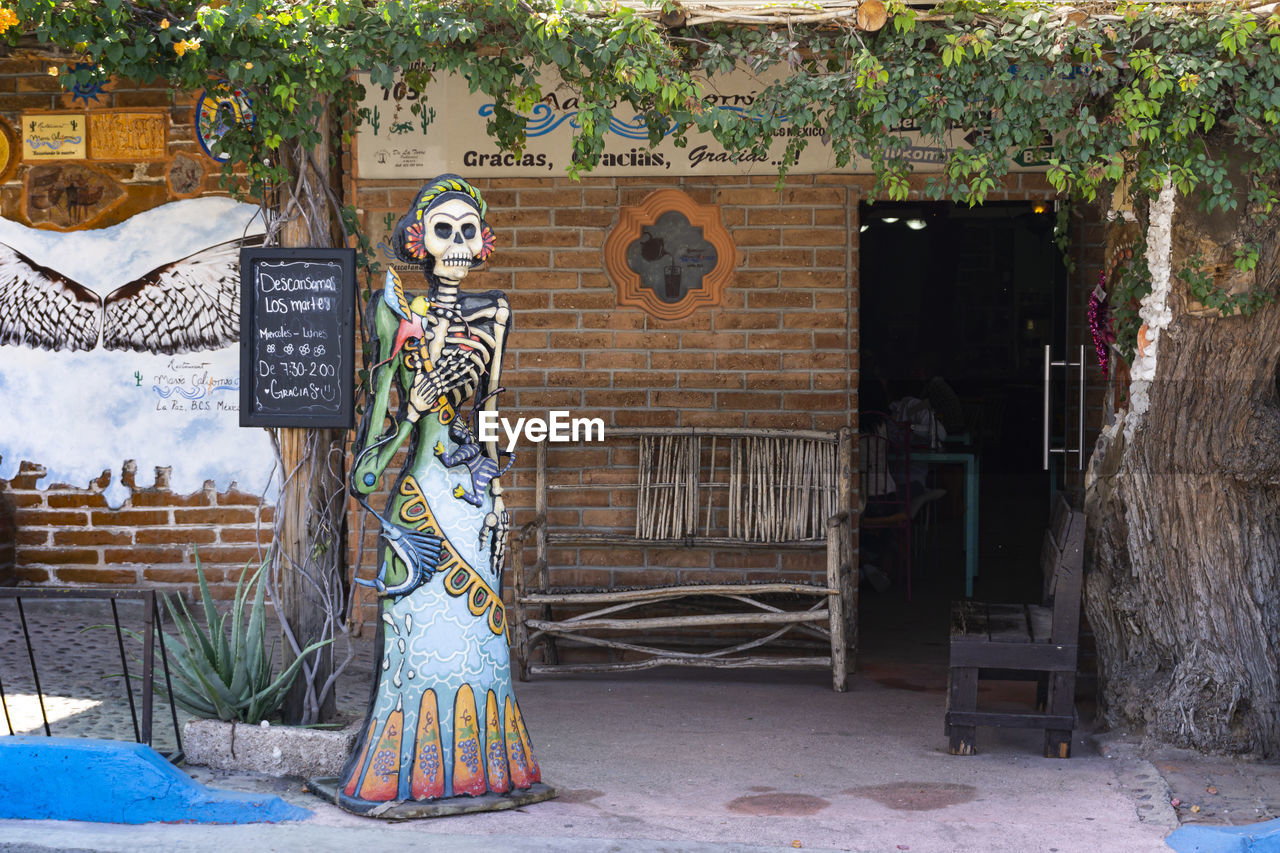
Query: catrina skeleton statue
x=443, y=721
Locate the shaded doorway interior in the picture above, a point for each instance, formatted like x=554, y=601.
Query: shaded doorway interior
x=971, y=295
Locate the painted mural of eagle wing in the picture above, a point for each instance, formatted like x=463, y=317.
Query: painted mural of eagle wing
x=40, y=307
x=190, y=304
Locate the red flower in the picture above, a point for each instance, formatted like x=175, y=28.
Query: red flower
x=487, y=248
x=413, y=241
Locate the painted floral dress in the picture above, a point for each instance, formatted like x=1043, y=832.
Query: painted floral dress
x=443, y=720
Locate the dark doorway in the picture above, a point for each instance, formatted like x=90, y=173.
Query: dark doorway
x=971, y=295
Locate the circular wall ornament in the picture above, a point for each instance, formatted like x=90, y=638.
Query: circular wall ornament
x=10, y=151
x=669, y=255
x=220, y=108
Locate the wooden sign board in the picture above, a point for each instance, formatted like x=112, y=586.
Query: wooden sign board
x=53, y=137
x=130, y=135
x=297, y=315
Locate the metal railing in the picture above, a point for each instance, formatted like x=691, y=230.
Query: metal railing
x=153, y=620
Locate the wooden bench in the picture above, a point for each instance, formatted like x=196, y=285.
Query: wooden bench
x=1023, y=642
x=705, y=488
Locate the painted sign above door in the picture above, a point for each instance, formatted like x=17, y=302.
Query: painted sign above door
x=393, y=141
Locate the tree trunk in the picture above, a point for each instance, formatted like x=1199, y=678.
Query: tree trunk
x=310, y=516
x=1184, y=515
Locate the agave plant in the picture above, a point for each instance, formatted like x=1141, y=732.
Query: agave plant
x=222, y=669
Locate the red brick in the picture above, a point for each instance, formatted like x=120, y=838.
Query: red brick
x=749, y=401
x=97, y=576
x=615, y=359
x=186, y=575
x=812, y=401
x=567, y=259
x=779, y=216
x=616, y=320
x=579, y=301
x=581, y=341
x=90, y=536
x=24, y=499
x=546, y=280
x=781, y=340
x=712, y=419
x=239, y=555
x=215, y=515
x=777, y=381
x=76, y=500
x=548, y=238
x=519, y=217
x=160, y=498
x=747, y=361
x=175, y=536
x=579, y=379
x=556, y=198
x=747, y=195
x=59, y=556
x=143, y=555
x=709, y=380
x=129, y=517
x=611, y=399
x=548, y=320
x=815, y=320
x=752, y=320
x=52, y=518
x=30, y=536
x=643, y=379
x=512, y=259
x=565, y=217
x=32, y=575
x=759, y=237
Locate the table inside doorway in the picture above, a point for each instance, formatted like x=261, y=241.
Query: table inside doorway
x=969, y=460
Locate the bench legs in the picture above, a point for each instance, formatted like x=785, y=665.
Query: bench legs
x=962, y=696
x=1060, y=700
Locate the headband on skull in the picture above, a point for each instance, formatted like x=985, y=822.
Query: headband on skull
x=411, y=241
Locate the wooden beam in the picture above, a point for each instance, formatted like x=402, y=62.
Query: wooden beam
x=658, y=622
x=669, y=592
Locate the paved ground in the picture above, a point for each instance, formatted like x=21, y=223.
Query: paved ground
x=700, y=762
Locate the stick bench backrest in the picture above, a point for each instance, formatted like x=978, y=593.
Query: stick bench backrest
x=1062, y=564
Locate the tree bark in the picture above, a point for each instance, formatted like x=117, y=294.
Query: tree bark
x=1184, y=517
x=310, y=530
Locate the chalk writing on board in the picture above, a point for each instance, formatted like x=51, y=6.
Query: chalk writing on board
x=298, y=352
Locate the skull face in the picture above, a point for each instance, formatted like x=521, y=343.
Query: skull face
x=451, y=235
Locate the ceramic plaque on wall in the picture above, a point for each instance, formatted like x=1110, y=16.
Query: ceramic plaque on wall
x=53, y=137
x=133, y=135
x=669, y=255
x=379, y=223
x=68, y=196
x=219, y=109
x=10, y=153
x=185, y=176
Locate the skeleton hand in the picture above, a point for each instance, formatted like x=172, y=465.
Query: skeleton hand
x=424, y=394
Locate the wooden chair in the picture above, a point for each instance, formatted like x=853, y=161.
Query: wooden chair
x=1023, y=641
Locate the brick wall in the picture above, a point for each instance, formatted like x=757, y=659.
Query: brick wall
x=780, y=351
x=69, y=536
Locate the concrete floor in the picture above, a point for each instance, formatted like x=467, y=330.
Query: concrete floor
x=732, y=760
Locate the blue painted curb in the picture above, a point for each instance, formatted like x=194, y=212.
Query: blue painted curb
x=115, y=782
x=1250, y=838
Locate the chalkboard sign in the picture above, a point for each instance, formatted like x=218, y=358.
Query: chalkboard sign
x=296, y=346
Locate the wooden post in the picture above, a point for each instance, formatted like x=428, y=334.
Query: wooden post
x=310, y=527
x=849, y=573
x=550, y=653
